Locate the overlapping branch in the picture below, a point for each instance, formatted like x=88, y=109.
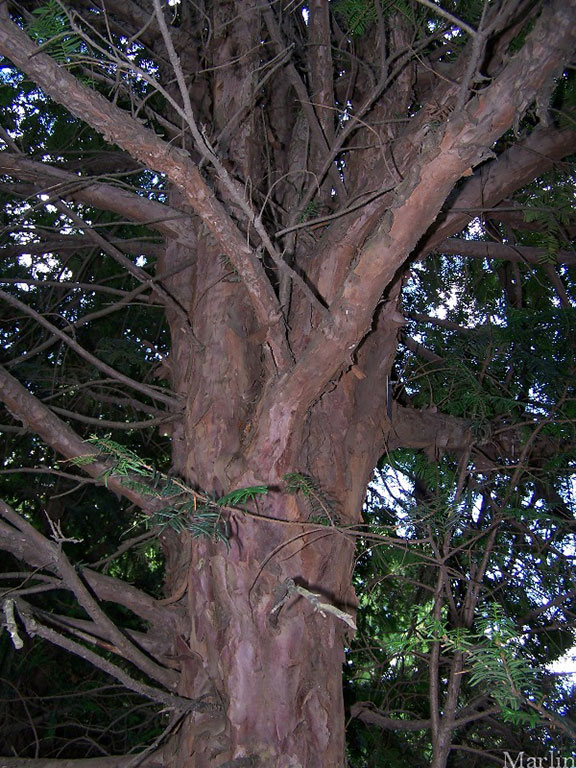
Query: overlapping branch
x=524, y=254
x=25, y=542
x=121, y=129
x=62, y=184
x=443, y=160
x=57, y=434
x=153, y=392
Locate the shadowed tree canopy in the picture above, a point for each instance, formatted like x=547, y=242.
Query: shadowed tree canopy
x=250, y=252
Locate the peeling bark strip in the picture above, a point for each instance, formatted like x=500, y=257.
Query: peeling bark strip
x=289, y=225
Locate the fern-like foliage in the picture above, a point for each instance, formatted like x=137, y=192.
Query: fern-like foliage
x=51, y=29
x=122, y=462
x=188, y=516
x=241, y=496
x=552, y=211
x=359, y=15
x=497, y=665
x=493, y=654
x=186, y=509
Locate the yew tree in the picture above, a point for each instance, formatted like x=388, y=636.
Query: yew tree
x=216, y=215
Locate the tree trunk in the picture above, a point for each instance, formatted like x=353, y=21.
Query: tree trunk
x=277, y=678
x=282, y=349
x=273, y=676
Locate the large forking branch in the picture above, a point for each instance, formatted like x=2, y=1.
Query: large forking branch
x=466, y=141
x=467, y=138
x=527, y=158
x=144, y=145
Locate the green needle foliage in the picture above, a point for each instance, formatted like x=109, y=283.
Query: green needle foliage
x=52, y=30
x=188, y=510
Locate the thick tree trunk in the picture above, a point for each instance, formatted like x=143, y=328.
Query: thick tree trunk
x=277, y=374
x=274, y=676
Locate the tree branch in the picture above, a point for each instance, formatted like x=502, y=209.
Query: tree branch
x=420, y=350
x=152, y=392
x=479, y=249
x=308, y=109
x=234, y=189
x=454, y=20
x=436, y=432
x=34, y=628
x=36, y=553
x=92, y=762
x=109, y=424
x=140, y=274
x=58, y=435
x=118, y=127
x=365, y=711
x=498, y=179
x=108, y=197
x=59, y=563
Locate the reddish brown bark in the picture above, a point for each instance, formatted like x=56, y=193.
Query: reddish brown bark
x=270, y=382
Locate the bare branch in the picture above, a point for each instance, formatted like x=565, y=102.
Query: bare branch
x=367, y=713
x=109, y=424
x=108, y=197
x=37, y=553
x=450, y=17
x=479, y=249
x=152, y=392
x=71, y=580
x=498, y=179
x=164, y=296
x=34, y=628
x=91, y=762
x=57, y=434
x=420, y=350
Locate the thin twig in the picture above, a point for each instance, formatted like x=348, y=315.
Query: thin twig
x=154, y=393
x=450, y=17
